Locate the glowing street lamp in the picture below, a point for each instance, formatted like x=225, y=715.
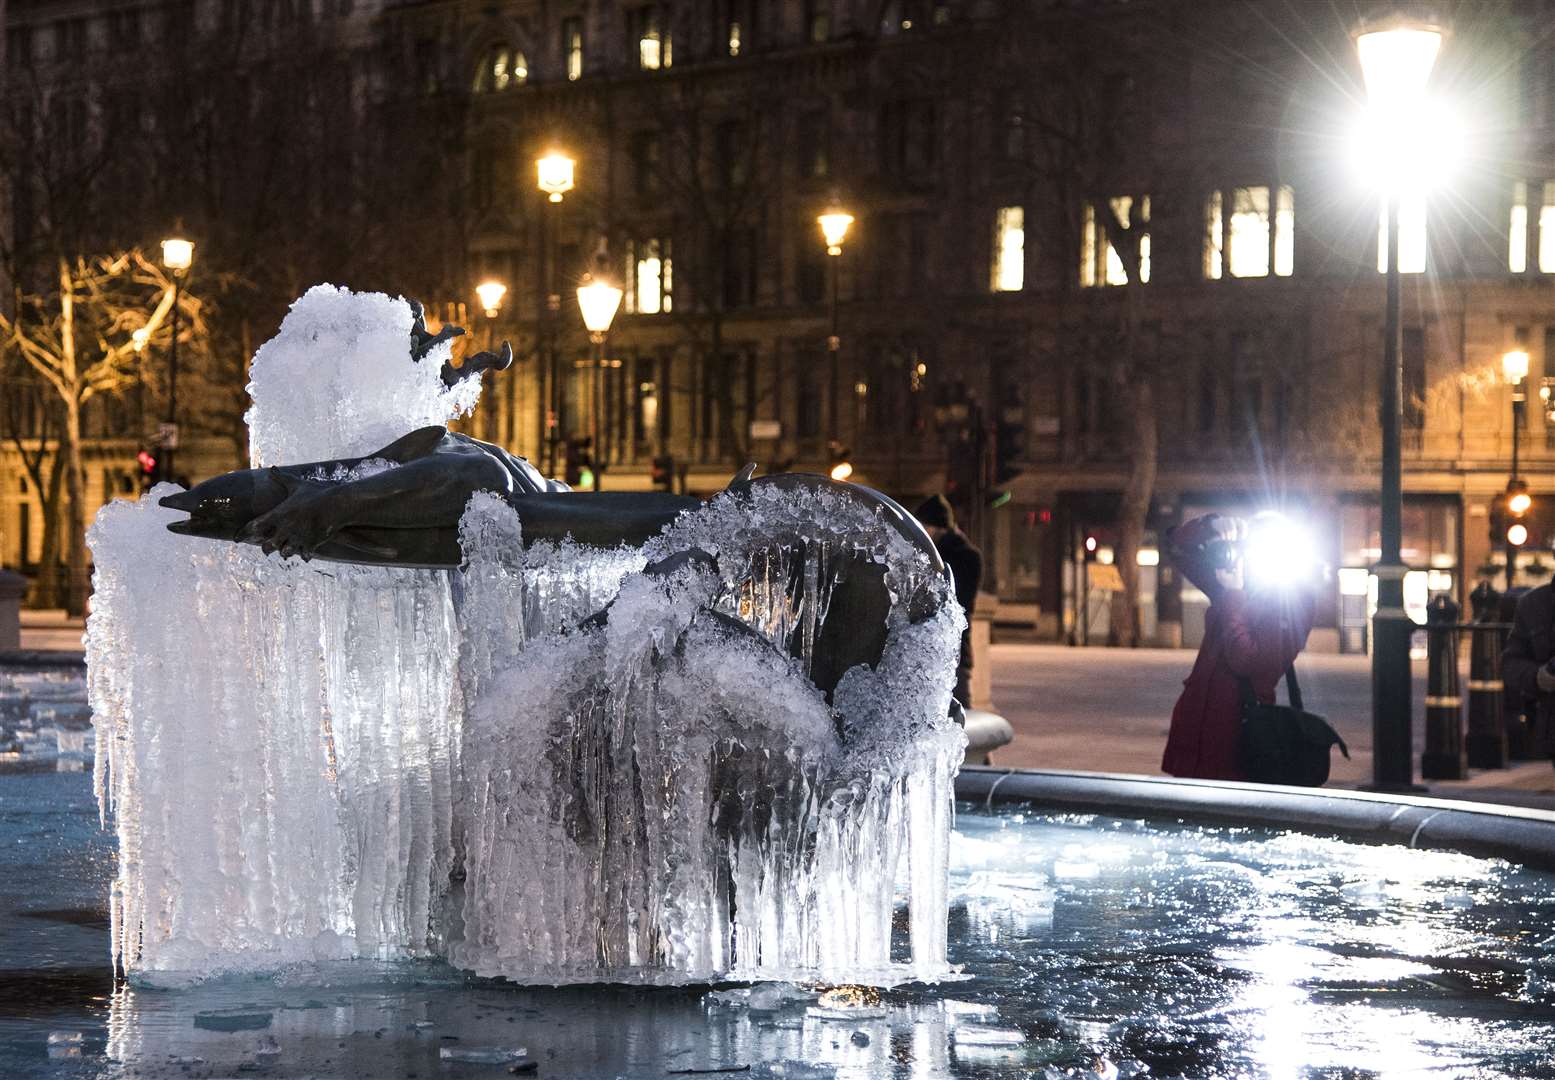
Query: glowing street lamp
x=490, y=294
x=598, y=301
x=834, y=228
x=1514, y=366
x=1396, y=58
x=554, y=177
x=177, y=256
x=834, y=224
x=553, y=173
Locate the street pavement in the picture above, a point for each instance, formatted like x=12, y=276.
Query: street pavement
x=1107, y=710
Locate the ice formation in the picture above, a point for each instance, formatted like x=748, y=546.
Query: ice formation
x=556, y=764
x=338, y=380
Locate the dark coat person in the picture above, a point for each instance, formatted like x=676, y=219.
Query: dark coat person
x=1253, y=634
x=1526, y=664
x=965, y=564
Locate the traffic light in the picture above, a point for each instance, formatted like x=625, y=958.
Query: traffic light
x=664, y=472
x=1509, y=515
x=1518, y=503
x=146, y=468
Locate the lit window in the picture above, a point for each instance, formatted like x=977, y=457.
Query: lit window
x=1547, y=229
x=572, y=46
x=1100, y=262
x=1213, y=224
x=653, y=40
x=1285, y=232
x=1411, y=235
x=499, y=69
x=1517, y=230
x=648, y=277
x=1257, y=236
x=1009, y=261
x=1250, y=232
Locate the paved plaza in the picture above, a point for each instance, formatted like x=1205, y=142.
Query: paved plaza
x=1107, y=710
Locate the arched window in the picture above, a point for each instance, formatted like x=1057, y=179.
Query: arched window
x=500, y=68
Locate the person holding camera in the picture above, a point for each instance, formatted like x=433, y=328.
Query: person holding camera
x=1252, y=631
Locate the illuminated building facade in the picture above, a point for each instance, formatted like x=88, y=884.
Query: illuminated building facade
x=1057, y=208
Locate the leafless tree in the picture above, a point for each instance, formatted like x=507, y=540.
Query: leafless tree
x=83, y=339
x=715, y=182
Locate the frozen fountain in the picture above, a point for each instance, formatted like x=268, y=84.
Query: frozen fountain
x=578, y=738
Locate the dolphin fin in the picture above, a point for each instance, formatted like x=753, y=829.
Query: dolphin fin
x=415, y=444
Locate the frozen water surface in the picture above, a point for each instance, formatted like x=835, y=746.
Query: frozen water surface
x=1197, y=952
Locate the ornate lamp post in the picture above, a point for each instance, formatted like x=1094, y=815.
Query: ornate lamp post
x=490, y=294
x=1514, y=369
x=598, y=300
x=1396, y=59
x=834, y=224
x=554, y=176
x=177, y=256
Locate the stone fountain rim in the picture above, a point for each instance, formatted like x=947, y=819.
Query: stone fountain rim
x=1518, y=834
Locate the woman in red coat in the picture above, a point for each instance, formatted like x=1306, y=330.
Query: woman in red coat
x=1253, y=632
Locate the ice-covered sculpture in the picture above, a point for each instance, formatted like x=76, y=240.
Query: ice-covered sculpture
x=720, y=752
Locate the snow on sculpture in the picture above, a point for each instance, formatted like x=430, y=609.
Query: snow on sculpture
x=629, y=738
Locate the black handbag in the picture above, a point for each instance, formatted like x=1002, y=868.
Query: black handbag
x=1285, y=744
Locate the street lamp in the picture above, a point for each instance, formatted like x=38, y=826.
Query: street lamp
x=834, y=225
x=177, y=256
x=554, y=175
x=490, y=294
x=1396, y=59
x=599, y=301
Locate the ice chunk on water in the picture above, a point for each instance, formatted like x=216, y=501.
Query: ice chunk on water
x=239, y=1019
x=483, y=1055
x=64, y=1044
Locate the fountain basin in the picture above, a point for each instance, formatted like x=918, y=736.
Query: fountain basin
x=1123, y=921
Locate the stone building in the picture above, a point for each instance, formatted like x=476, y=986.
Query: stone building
x=1070, y=220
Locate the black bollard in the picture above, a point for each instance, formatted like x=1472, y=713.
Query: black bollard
x=1443, y=757
x=1486, y=742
